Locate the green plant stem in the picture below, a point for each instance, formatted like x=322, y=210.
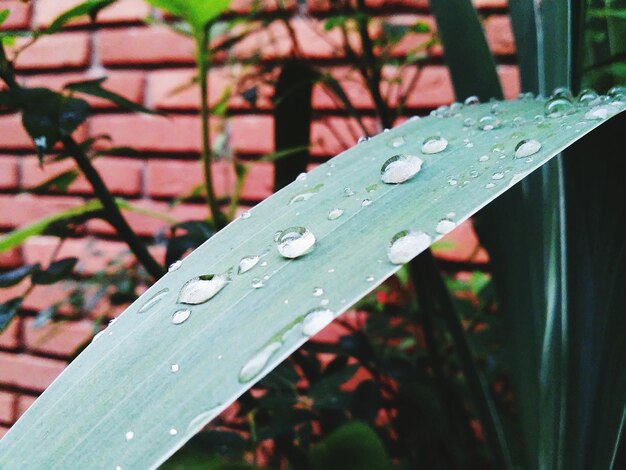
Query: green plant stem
x=202, y=50
x=114, y=215
x=424, y=269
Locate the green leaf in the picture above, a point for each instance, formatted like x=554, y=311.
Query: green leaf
x=94, y=88
x=353, y=446
x=59, y=182
x=15, y=276
x=58, y=270
x=198, y=13
x=150, y=376
x=4, y=14
x=8, y=310
x=89, y=8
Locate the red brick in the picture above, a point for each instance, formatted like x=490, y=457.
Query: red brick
x=500, y=35
x=8, y=172
x=9, y=338
x=20, y=209
x=11, y=258
x=59, y=338
x=7, y=407
x=3, y=431
x=466, y=246
x=128, y=84
x=171, y=178
x=23, y=403
x=121, y=175
x=32, y=373
x=122, y=11
x=154, y=45
x=58, y=51
x=332, y=135
x=174, y=89
x=20, y=14
x=510, y=80
x=252, y=134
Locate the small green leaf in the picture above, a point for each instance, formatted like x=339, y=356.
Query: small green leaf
x=4, y=14
x=198, y=13
x=334, y=21
x=94, y=88
x=8, y=310
x=89, y=8
x=58, y=182
x=15, y=276
x=57, y=271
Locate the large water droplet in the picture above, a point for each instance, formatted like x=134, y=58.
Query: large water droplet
x=366, y=202
x=406, y=245
x=318, y=292
x=306, y=195
x=562, y=92
x=335, y=213
x=526, y=148
x=180, y=316
x=558, y=107
x=152, y=301
x=174, y=266
x=258, y=362
x=445, y=226
x=315, y=320
x=247, y=263
x=497, y=176
x=201, y=289
x=488, y=123
x=434, y=144
x=587, y=97
x=400, y=168
x=295, y=242
x=471, y=101
x=599, y=113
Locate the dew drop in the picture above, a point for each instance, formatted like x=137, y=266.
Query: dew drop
x=471, y=101
x=174, y=368
x=488, y=123
x=301, y=177
x=245, y=215
x=474, y=174
x=318, y=292
x=347, y=192
x=558, y=107
x=324, y=302
x=331, y=270
x=539, y=120
x=434, y=144
x=400, y=168
x=130, y=435
x=264, y=263
x=247, y=263
x=483, y=158
x=306, y=195
x=496, y=109
x=445, y=226
x=277, y=235
x=490, y=185
x=258, y=362
x=257, y=283
x=453, y=182
x=600, y=113
x=469, y=122
x=295, y=242
x=203, y=288
x=406, y=245
x=396, y=142
x=152, y=301
x=366, y=202
x=518, y=121
x=527, y=147
x=173, y=432
x=497, y=176
x=315, y=320
x=174, y=266
x=617, y=92
x=587, y=97
x=180, y=316
x=562, y=92
x=362, y=139
x=335, y=213
x=370, y=278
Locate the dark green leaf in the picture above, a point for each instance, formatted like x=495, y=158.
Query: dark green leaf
x=10, y=278
x=334, y=21
x=57, y=271
x=89, y=8
x=8, y=310
x=58, y=182
x=4, y=14
x=94, y=88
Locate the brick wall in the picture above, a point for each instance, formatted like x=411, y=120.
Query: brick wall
x=145, y=64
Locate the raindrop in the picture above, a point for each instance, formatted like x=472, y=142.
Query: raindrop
x=203, y=288
x=318, y=292
x=617, y=92
x=306, y=195
x=295, y=242
x=490, y=185
x=362, y=139
x=434, y=144
x=406, y=245
x=331, y=270
x=469, y=145
x=258, y=362
x=335, y=213
x=257, y=283
x=519, y=121
x=173, y=432
x=562, y=92
x=277, y=235
x=456, y=107
x=174, y=368
x=444, y=226
x=497, y=176
x=526, y=148
x=400, y=168
x=130, y=435
x=474, y=174
x=366, y=202
x=97, y=335
x=315, y=320
x=152, y=301
x=247, y=263
x=347, y=192
x=539, y=120
x=496, y=109
x=180, y=316
x=469, y=122
x=599, y=113
x=264, y=263
x=324, y=302
x=558, y=107
x=472, y=101
x=453, y=182
x=488, y=123
x=497, y=148
x=174, y=266
x=483, y=158
x=370, y=278
x=396, y=142
x=245, y=215
x=587, y=97
x=301, y=177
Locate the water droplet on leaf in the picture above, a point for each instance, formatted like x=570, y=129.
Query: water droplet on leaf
x=318, y=292
x=406, y=245
x=471, y=101
x=315, y=320
x=174, y=266
x=444, y=226
x=335, y=213
x=527, y=147
x=247, y=263
x=488, y=123
x=295, y=242
x=400, y=168
x=180, y=316
x=257, y=283
x=152, y=301
x=203, y=288
x=558, y=107
x=366, y=202
x=434, y=144
x=258, y=362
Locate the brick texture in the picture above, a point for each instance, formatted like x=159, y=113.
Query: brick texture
x=154, y=66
